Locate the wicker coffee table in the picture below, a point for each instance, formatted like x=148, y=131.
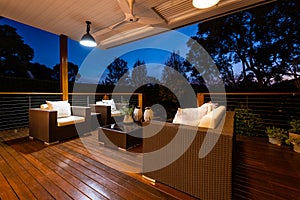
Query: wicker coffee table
x=122, y=136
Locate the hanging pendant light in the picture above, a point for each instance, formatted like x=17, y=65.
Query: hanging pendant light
x=204, y=3
x=87, y=39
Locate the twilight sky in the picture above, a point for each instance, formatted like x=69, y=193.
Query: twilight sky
x=46, y=46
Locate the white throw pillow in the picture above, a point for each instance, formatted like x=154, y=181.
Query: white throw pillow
x=63, y=108
x=44, y=107
x=111, y=103
x=212, y=119
x=101, y=103
x=210, y=106
x=189, y=116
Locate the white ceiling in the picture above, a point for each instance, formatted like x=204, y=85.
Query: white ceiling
x=68, y=17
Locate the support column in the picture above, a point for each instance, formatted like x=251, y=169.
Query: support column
x=64, y=80
x=200, y=99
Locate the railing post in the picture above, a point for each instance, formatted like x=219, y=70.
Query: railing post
x=200, y=99
x=29, y=101
x=140, y=100
x=64, y=66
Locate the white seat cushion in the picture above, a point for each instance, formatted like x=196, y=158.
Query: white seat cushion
x=64, y=121
x=115, y=113
x=213, y=118
x=63, y=108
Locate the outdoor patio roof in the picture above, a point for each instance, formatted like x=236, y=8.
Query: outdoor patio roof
x=68, y=17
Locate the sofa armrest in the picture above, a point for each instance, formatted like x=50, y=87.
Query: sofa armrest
x=81, y=111
x=42, y=121
x=105, y=113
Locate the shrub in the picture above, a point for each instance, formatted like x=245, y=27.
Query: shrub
x=248, y=123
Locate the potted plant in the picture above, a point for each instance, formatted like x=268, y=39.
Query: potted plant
x=276, y=135
x=127, y=112
x=294, y=130
x=295, y=142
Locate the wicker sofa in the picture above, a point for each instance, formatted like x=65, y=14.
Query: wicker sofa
x=44, y=124
x=209, y=177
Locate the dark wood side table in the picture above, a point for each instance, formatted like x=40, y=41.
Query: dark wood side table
x=121, y=135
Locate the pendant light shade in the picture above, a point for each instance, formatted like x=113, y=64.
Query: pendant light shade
x=87, y=39
x=204, y=3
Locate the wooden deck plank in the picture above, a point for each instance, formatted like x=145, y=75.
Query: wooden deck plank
x=113, y=175
x=85, y=154
x=117, y=159
x=131, y=192
x=70, y=170
x=83, y=168
x=99, y=188
x=72, y=191
x=6, y=191
x=50, y=186
x=54, y=164
x=14, y=180
x=38, y=191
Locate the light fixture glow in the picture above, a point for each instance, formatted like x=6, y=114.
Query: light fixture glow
x=87, y=39
x=204, y=3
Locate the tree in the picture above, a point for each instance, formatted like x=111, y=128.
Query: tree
x=139, y=74
x=174, y=79
x=15, y=55
x=116, y=70
x=72, y=72
x=39, y=71
x=264, y=40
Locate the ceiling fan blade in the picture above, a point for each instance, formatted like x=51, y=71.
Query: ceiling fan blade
x=118, y=25
x=149, y=20
x=125, y=6
x=101, y=31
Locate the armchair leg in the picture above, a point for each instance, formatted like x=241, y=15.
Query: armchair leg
x=51, y=143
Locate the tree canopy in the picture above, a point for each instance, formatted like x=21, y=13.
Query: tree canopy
x=115, y=71
x=15, y=55
x=264, y=41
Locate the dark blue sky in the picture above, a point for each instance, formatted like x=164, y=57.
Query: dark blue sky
x=46, y=46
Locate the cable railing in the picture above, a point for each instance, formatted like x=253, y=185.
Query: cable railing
x=275, y=109
x=14, y=106
x=272, y=109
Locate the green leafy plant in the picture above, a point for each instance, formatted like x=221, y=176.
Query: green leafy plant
x=248, y=123
x=127, y=110
x=275, y=132
x=295, y=126
x=292, y=140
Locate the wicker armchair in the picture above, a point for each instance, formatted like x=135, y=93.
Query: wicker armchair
x=45, y=126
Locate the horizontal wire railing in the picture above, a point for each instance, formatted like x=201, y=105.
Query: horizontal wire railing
x=14, y=106
x=274, y=109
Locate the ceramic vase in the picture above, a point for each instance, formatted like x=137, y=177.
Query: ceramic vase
x=137, y=114
x=148, y=114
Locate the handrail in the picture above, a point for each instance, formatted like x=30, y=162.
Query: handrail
x=71, y=93
x=30, y=93
x=14, y=106
x=251, y=93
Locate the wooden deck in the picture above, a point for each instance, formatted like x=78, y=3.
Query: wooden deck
x=83, y=169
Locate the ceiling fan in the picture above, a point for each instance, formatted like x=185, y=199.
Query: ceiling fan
x=127, y=8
